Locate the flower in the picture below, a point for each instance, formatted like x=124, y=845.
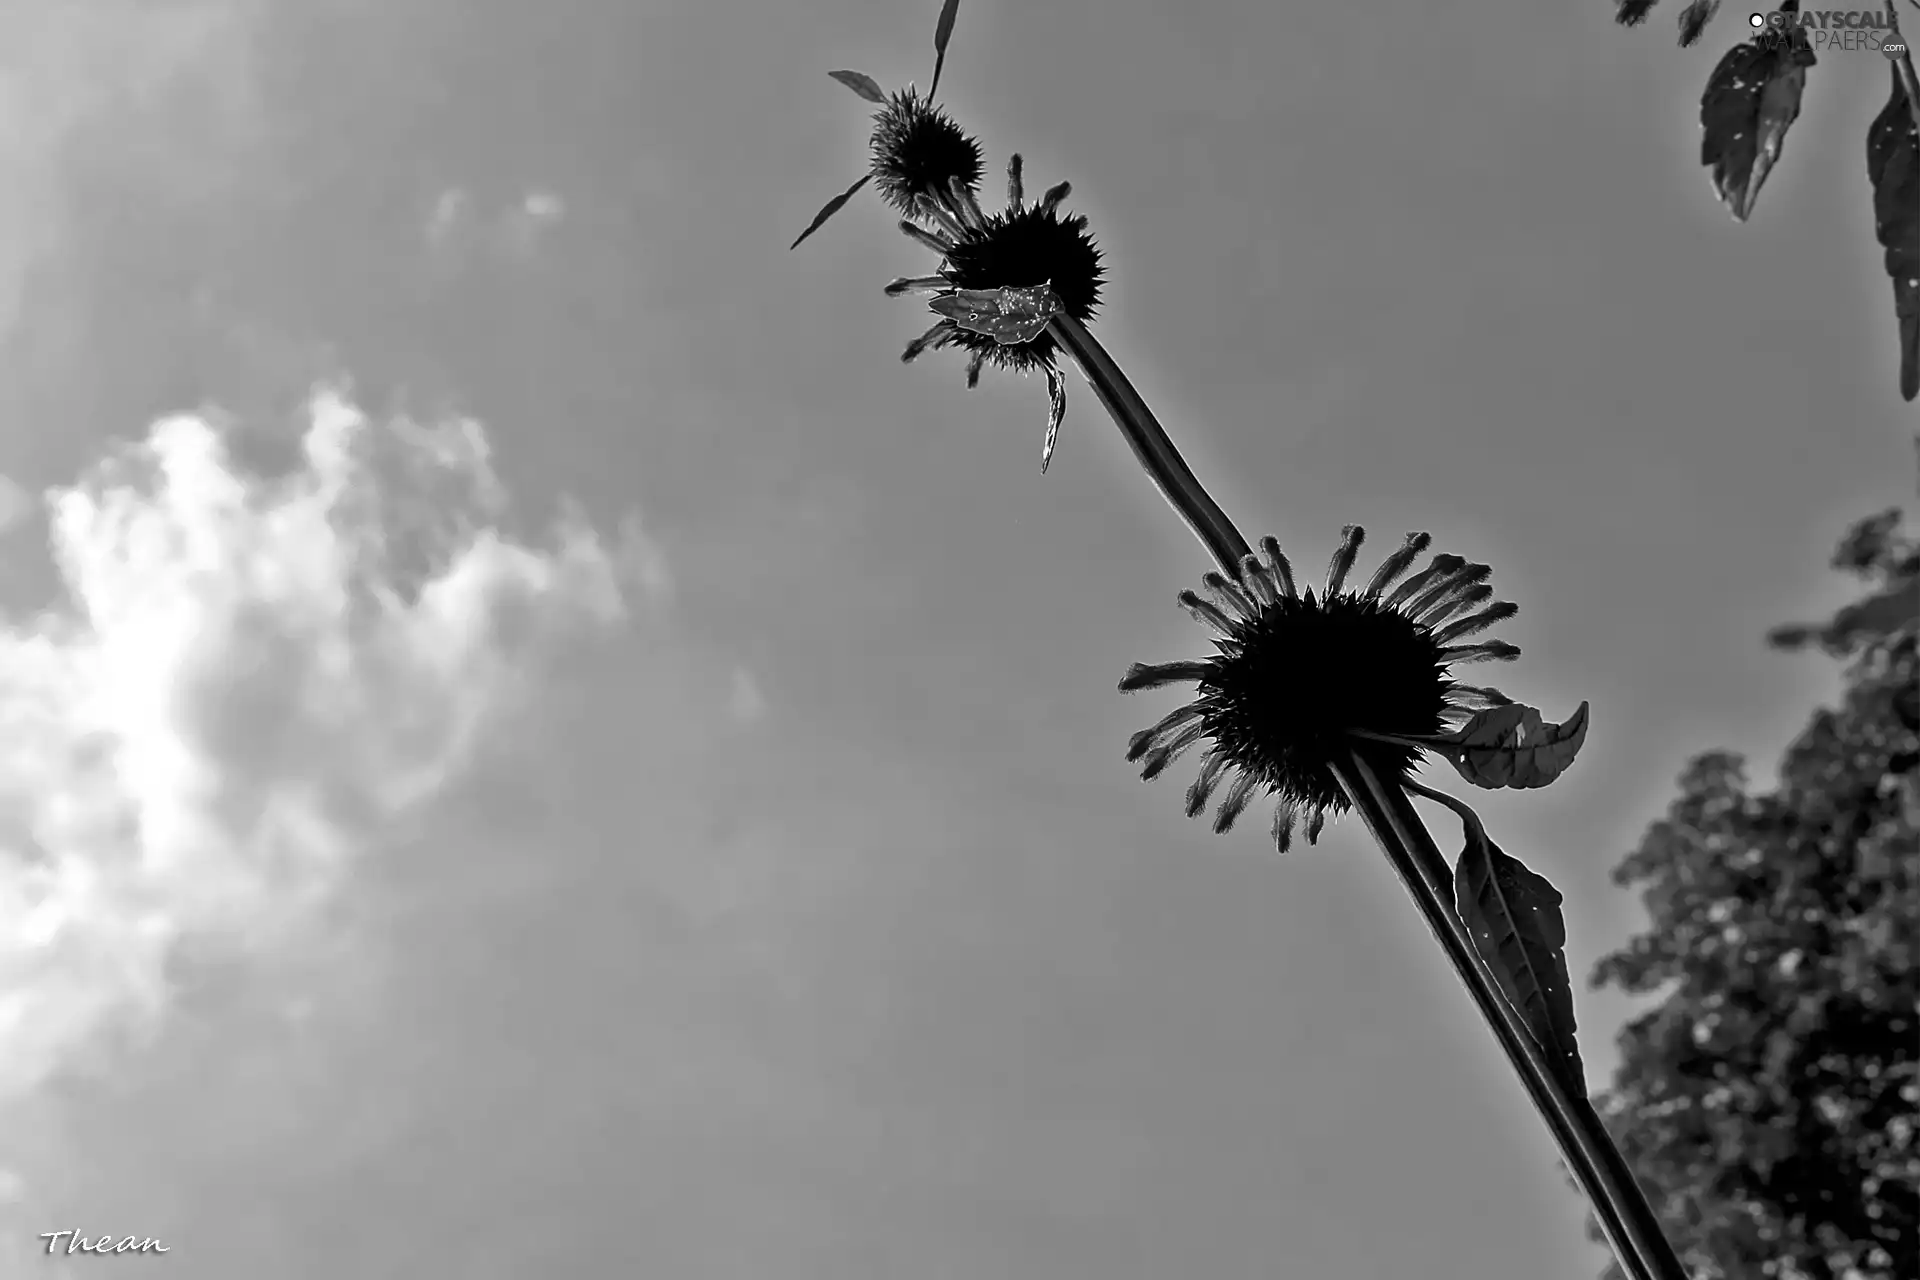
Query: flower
x=918, y=151
x=1301, y=681
x=1021, y=247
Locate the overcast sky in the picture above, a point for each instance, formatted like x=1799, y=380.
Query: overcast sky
x=534, y=746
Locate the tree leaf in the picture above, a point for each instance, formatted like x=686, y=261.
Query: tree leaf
x=864, y=85
x=1513, y=915
x=832, y=207
x=942, y=32
x=1056, y=412
x=1893, y=167
x=1512, y=746
x=1751, y=100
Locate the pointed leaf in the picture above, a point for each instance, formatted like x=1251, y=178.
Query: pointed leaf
x=1513, y=915
x=864, y=85
x=1009, y=316
x=942, y=32
x=1751, y=100
x=832, y=207
x=1893, y=167
x=1512, y=746
x=1056, y=411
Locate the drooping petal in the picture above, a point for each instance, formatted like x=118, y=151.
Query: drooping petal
x=1485, y=651
x=1147, y=739
x=1255, y=578
x=1440, y=565
x=1343, y=557
x=939, y=244
x=1476, y=623
x=1283, y=825
x=1234, y=803
x=1229, y=594
x=1016, y=190
x=1143, y=675
x=1454, y=602
x=1172, y=749
x=1202, y=789
x=974, y=363
x=1277, y=564
x=1316, y=823
x=937, y=336
x=1396, y=564
x=918, y=284
x=1205, y=611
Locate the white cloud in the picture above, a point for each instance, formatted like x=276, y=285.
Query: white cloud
x=460, y=232
x=252, y=678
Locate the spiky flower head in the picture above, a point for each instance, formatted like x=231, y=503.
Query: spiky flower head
x=919, y=152
x=1301, y=681
x=1020, y=247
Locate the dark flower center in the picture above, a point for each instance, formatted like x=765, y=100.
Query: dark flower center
x=1020, y=250
x=1294, y=682
x=917, y=149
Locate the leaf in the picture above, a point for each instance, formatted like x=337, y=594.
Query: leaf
x=1513, y=916
x=832, y=207
x=1056, y=412
x=1751, y=99
x=1893, y=167
x=1512, y=746
x=942, y=32
x=1009, y=316
x=864, y=85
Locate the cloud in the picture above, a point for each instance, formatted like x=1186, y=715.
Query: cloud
x=459, y=231
x=251, y=680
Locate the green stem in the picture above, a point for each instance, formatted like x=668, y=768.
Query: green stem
x=1151, y=445
x=1630, y=1225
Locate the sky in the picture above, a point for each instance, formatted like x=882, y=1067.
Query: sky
x=533, y=745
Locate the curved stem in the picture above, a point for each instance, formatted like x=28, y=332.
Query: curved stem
x=1627, y=1219
x=1151, y=445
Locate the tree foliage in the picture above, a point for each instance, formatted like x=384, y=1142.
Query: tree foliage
x=1768, y=1102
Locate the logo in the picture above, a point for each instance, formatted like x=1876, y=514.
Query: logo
x=1828, y=30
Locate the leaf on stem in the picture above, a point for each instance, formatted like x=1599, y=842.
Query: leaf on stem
x=1513, y=746
x=942, y=32
x=832, y=207
x=1893, y=167
x=1513, y=916
x=1056, y=412
x=864, y=85
x=1751, y=100
x=1009, y=316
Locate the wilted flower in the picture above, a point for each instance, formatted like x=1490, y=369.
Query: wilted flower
x=1301, y=682
x=919, y=152
x=1023, y=247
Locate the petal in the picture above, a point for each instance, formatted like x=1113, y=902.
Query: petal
x=1476, y=623
x=1255, y=578
x=1440, y=565
x=937, y=336
x=918, y=284
x=1235, y=802
x=1343, y=557
x=1051, y=201
x=1277, y=564
x=1143, y=675
x=1455, y=601
x=1283, y=826
x=939, y=244
x=1204, y=611
x=1316, y=823
x=1230, y=595
x=1396, y=564
x=1210, y=770
x=1016, y=190
x=1172, y=749
x=1147, y=739
x=1485, y=651
x=973, y=369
